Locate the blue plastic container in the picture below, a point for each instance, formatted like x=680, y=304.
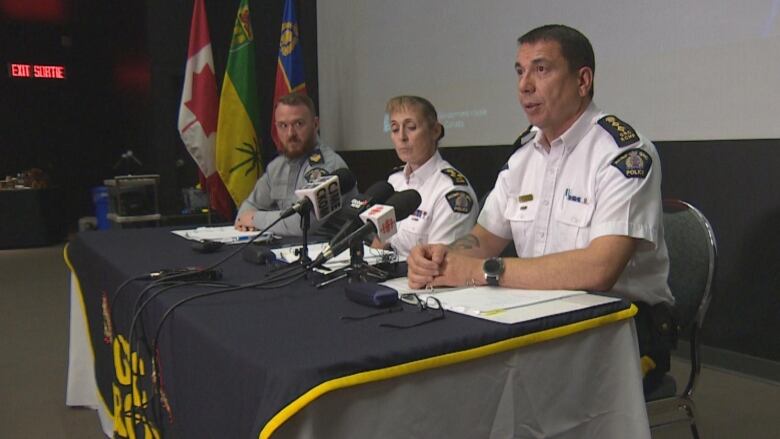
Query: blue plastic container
x=101, y=202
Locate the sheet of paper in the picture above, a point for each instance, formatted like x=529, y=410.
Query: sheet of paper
x=505, y=305
x=401, y=284
x=224, y=234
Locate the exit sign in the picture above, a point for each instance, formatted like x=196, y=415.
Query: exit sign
x=36, y=71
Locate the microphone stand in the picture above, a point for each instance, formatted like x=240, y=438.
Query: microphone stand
x=358, y=269
x=304, y=258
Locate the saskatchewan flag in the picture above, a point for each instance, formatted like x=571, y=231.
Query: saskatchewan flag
x=238, y=140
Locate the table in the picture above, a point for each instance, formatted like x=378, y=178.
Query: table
x=280, y=363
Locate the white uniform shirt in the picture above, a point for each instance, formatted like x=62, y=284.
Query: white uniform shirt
x=448, y=209
x=599, y=178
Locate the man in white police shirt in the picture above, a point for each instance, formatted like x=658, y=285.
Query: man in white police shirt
x=580, y=197
x=304, y=159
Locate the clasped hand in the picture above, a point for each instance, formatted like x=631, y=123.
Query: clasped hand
x=437, y=265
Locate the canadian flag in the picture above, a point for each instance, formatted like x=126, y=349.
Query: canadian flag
x=198, y=111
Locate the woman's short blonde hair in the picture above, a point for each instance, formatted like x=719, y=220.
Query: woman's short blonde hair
x=404, y=102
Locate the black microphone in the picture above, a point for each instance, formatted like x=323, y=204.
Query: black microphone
x=323, y=194
x=404, y=203
x=185, y=274
x=377, y=193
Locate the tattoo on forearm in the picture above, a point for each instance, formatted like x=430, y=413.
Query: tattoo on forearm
x=467, y=242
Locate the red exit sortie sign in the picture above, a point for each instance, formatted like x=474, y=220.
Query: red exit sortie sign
x=36, y=71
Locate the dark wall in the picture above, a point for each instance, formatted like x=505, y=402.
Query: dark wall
x=731, y=182
x=125, y=63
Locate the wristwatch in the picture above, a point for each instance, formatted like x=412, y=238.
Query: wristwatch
x=493, y=269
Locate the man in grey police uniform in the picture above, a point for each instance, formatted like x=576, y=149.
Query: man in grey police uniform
x=580, y=197
x=304, y=159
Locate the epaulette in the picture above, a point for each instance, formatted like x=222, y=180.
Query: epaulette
x=458, y=179
x=622, y=132
x=524, y=138
x=315, y=157
x=396, y=169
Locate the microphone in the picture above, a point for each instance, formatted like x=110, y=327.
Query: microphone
x=377, y=193
x=185, y=274
x=323, y=194
x=380, y=219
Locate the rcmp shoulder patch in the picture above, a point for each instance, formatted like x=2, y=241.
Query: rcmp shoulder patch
x=315, y=173
x=622, y=132
x=634, y=163
x=524, y=138
x=460, y=201
x=458, y=179
x=315, y=157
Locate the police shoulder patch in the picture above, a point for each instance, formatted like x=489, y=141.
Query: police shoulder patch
x=315, y=157
x=622, y=132
x=524, y=138
x=634, y=163
x=458, y=179
x=315, y=173
x=460, y=201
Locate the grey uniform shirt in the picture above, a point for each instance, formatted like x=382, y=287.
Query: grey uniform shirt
x=599, y=178
x=275, y=190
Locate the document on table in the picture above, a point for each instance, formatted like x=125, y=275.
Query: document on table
x=371, y=255
x=507, y=305
x=224, y=234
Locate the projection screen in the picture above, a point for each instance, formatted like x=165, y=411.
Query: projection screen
x=675, y=70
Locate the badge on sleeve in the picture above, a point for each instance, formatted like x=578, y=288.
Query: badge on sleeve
x=315, y=173
x=633, y=163
x=622, y=132
x=458, y=179
x=315, y=157
x=460, y=201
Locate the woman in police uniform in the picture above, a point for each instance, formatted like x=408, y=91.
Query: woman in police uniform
x=448, y=209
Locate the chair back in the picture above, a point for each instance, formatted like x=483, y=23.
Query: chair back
x=692, y=248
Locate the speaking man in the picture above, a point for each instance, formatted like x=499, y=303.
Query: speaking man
x=580, y=198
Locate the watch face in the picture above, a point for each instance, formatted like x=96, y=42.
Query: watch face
x=493, y=266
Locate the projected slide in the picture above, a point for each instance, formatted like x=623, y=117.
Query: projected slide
x=675, y=70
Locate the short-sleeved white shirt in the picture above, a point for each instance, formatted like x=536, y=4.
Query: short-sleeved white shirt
x=599, y=178
x=448, y=209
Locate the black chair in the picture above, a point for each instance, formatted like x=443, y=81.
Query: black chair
x=692, y=254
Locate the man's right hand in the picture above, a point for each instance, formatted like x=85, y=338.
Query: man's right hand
x=244, y=222
x=425, y=263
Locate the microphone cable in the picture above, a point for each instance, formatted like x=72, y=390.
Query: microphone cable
x=289, y=279
x=112, y=300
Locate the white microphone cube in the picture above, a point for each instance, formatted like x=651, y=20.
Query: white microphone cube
x=383, y=218
x=324, y=194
